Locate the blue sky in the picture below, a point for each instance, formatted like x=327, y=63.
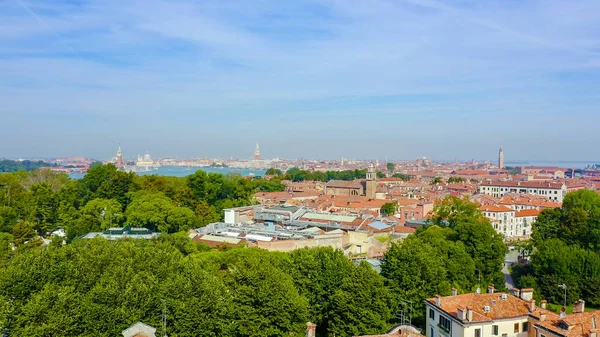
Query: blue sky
x=312, y=79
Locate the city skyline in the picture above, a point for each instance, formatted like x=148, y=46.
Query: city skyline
x=320, y=79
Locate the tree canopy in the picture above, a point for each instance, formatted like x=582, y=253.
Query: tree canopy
x=98, y=288
x=567, y=251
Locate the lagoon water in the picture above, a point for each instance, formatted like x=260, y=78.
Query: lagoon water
x=181, y=171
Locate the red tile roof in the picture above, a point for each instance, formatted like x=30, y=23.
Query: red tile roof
x=527, y=212
x=499, y=308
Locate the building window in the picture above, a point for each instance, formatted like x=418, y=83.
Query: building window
x=525, y=326
x=495, y=330
x=516, y=327
x=431, y=314
x=477, y=332
x=444, y=323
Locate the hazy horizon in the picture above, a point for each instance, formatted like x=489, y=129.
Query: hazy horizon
x=311, y=79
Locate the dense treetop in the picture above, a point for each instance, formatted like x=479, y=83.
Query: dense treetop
x=566, y=249
x=106, y=197
x=98, y=288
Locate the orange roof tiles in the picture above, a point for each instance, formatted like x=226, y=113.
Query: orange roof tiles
x=495, y=208
x=499, y=308
x=344, y=184
x=527, y=212
x=579, y=324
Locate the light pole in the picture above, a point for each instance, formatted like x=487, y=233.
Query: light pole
x=564, y=286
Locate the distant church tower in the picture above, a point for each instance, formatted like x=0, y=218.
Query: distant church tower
x=501, y=159
x=256, y=153
x=119, y=157
x=371, y=183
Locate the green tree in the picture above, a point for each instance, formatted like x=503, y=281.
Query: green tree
x=436, y=180
x=44, y=213
x=401, y=176
x=389, y=208
x=23, y=232
x=362, y=304
x=274, y=171
x=452, y=211
x=107, y=212
x=390, y=167
x=415, y=271
x=156, y=212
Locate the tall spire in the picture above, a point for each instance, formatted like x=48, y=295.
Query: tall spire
x=501, y=159
x=256, y=152
x=119, y=157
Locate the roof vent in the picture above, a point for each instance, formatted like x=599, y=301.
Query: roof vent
x=486, y=308
x=504, y=296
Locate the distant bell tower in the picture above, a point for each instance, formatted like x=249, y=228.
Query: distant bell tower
x=371, y=183
x=501, y=159
x=119, y=157
x=256, y=153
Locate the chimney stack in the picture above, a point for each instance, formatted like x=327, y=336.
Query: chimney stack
x=437, y=300
x=543, y=304
x=542, y=317
x=527, y=294
x=469, y=314
x=491, y=289
x=579, y=306
x=532, y=305
x=516, y=292
x=311, y=329
x=454, y=291
x=593, y=333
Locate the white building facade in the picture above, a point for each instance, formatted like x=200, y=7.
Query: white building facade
x=551, y=190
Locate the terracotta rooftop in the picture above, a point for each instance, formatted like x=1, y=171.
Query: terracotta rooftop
x=495, y=208
x=344, y=184
x=511, y=306
x=527, y=212
x=577, y=325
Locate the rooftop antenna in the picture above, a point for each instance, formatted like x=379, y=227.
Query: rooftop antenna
x=564, y=308
x=164, y=318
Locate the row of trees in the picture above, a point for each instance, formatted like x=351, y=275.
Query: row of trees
x=104, y=197
x=99, y=288
x=7, y=165
x=567, y=250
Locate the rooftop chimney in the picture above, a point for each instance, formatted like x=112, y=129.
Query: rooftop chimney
x=527, y=294
x=579, y=306
x=311, y=329
x=460, y=313
x=491, y=289
x=532, y=305
x=437, y=300
x=543, y=304
x=516, y=292
x=454, y=291
x=542, y=317
x=469, y=314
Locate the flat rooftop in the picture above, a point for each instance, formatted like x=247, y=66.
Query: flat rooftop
x=329, y=217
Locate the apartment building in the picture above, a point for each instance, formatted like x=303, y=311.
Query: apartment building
x=551, y=190
x=480, y=315
x=505, y=315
